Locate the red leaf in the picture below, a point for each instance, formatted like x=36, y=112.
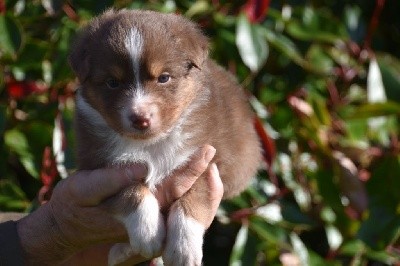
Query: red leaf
x=256, y=10
x=15, y=89
x=21, y=89
x=267, y=143
x=3, y=7
x=49, y=170
x=241, y=215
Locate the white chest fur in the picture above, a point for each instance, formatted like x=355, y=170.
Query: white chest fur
x=161, y=156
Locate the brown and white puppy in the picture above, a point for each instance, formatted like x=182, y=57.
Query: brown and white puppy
x=150, y=94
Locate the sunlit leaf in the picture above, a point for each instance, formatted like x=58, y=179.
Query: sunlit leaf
x=52, y=6
x=375, y=88
x=198, y=8
x=252, y=46
x=270, y=212
x=334, y=237
x=300, y=249
x=239, y=246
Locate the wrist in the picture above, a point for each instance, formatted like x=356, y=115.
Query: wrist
x=41, y=239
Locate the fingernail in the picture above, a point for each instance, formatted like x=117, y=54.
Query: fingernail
x=137, y=171
x=214, y=169
x=209, y=154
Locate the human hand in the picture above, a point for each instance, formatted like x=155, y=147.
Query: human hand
x=74, y=218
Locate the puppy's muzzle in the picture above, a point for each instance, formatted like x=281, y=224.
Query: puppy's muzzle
x=140, y=121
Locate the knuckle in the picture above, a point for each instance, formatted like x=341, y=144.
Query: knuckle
x=195, y=169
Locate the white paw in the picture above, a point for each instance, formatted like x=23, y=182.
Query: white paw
x=119, y=253
x=146, y=228
x=184, y=241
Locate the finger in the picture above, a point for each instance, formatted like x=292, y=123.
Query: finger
x=89, y=188
x=98, y=255
x=182, y=180
x=216, y=187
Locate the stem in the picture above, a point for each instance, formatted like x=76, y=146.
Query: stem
x=373, y=23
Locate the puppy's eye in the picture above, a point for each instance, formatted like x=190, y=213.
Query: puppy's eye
x=112, y=83
x=163, y=78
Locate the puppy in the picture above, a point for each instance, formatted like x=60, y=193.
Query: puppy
x=149, y=93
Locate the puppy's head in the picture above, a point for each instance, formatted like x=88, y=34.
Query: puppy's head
x=140, y=69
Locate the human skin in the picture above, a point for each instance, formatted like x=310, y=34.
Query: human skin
x=75, y=228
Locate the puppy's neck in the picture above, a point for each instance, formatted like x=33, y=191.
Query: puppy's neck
x=161, y=155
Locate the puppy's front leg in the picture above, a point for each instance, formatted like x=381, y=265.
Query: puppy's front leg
x=144, y=222
x=188, y=219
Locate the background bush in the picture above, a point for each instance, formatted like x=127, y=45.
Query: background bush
x=324, y=79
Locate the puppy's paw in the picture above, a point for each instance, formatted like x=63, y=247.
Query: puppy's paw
x=146, y=228
x=119, y=253
x=184, y=241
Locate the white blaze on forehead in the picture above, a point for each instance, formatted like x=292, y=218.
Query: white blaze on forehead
x=134, y=46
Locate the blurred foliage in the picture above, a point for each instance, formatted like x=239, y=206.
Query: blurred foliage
x=325, y=80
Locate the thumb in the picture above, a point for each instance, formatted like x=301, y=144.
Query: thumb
x=182, y=179
x=89, y=188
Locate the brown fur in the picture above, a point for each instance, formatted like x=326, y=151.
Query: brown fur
x=171, y=44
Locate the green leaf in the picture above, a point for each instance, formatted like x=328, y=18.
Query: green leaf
x=244, y=251
x=356, y=248
x=17, y=142
x=12, y=198
x=371, y=110
x=292, y=213
x=198, y=8
x=300, y=249
x=3, y=118
x=317, y=56
x=264, y=230
x=284, y=45
x=390, y=71
x=316, y=25
x=300, y=32
x=32, y=54
x=384, y=182
x=10, y=37
x=328, y=189
x=383, y=223
x=252, y=47
x=238, y=247
x=381, y=227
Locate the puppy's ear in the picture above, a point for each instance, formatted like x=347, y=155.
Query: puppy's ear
x=79, y=58
x=198, y=49
x=193, y=42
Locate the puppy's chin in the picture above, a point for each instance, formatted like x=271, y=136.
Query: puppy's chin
x=140, y=135
x=148, y=135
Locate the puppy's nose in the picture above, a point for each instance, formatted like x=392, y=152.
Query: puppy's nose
x=140, y=121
